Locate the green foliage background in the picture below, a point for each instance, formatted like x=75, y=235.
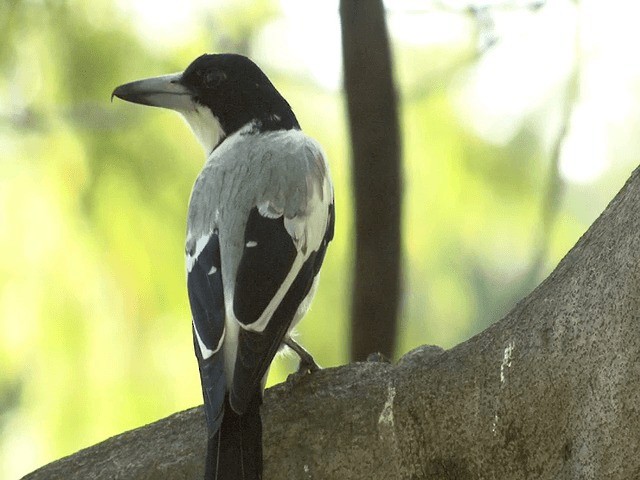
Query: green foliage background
x=95, y=333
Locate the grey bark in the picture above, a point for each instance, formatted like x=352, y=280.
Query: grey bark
x=375, y=144
x=552, y=391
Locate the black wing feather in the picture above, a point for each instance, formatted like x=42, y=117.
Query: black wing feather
x=206, y=296
x=263, y=267
x=235, y=451
x=257, y=349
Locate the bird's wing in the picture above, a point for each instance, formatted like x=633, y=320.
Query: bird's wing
x=285, y=238
x=204, y=284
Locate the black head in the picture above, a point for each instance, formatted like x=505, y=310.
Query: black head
x=218, y=95
x=237, y=92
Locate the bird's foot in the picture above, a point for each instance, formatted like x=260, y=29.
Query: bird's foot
x=307, y=364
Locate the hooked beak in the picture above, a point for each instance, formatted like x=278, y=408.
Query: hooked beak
x=165, y=91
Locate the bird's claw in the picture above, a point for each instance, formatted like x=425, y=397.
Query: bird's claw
x=307, y=364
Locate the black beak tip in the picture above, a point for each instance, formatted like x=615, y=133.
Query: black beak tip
x=117, y=92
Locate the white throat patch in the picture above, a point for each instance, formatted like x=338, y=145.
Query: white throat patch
x=205, y=127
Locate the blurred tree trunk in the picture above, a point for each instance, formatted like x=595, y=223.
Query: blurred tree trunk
x=550, y=392
x=375, y=140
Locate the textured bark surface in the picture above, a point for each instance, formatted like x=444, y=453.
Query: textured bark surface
x=550, y=391
x=375, y=144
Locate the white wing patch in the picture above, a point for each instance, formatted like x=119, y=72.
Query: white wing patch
x=296, y=228
x=200, y=244
x=267, y=210
x=307, y=231
x=204, y=351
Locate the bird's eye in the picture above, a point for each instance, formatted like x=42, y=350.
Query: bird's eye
x=213, y=78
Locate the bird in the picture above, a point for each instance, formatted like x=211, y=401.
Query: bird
x=259, y=220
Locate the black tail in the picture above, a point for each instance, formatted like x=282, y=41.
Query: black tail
x=234, y=452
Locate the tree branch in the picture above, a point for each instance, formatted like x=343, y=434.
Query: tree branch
x=550, y=391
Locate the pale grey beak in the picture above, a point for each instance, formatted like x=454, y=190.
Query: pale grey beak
x=165, y=91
